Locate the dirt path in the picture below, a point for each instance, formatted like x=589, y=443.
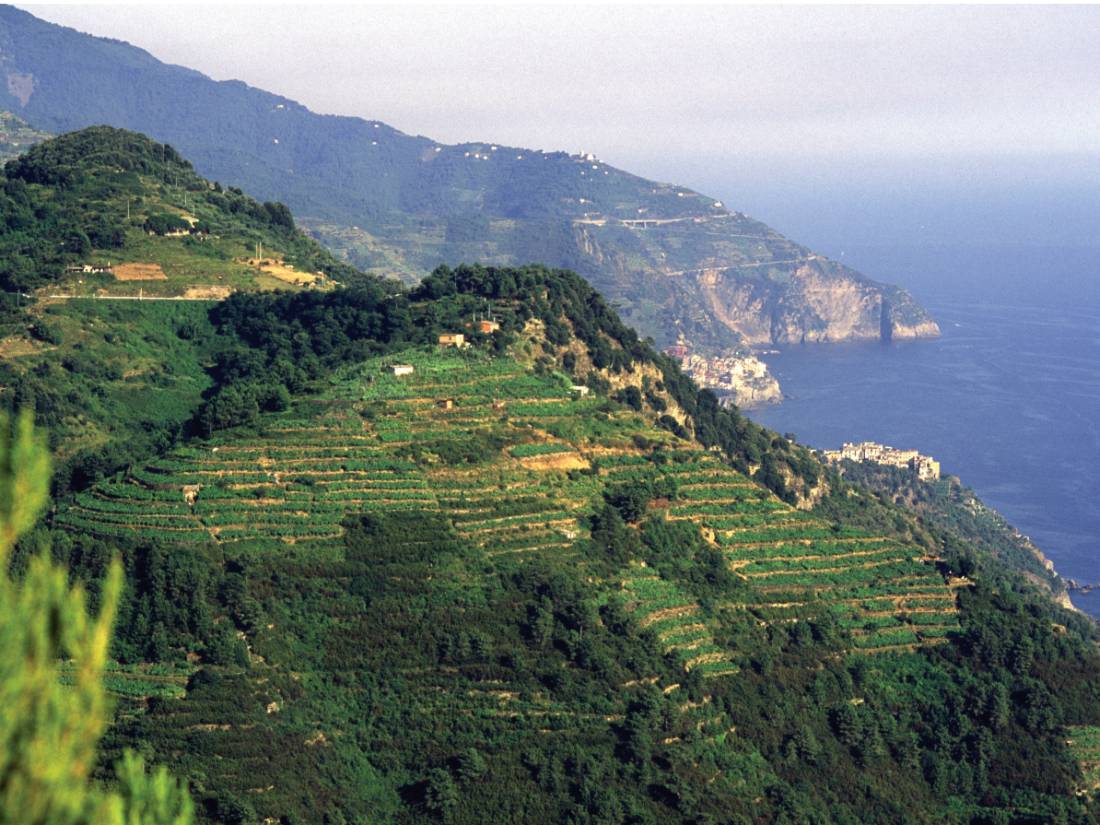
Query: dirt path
x=184, y=297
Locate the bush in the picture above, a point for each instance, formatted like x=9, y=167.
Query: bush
x=164, y=223
x=41, y=331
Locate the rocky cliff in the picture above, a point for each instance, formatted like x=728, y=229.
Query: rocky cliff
x=807, y=300
x=723, y=279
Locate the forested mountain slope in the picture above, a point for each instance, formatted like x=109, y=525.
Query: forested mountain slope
x=475, y=590
x=675, y=261
x=539, y=578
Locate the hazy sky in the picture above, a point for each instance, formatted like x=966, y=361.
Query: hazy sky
x=726, y=99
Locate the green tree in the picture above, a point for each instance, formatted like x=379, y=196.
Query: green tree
x=471, y=766
x=48, y=731
x=440, y=793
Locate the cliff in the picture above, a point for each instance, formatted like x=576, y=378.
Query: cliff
x=673, y=260
x=810, y=300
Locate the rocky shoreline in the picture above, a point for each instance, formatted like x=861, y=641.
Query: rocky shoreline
x=1074, y=586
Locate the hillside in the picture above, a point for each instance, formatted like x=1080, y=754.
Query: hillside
x=676, y=262
x=539, y=578
x=955, y=510
x=114, y=251
x=489, y=521
x=529, y=582
x=109, y=215
x=519, y=463
x=475, y=588
x=105, y=212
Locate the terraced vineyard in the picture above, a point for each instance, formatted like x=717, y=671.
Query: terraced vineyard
x=132, y=685
x=677, y=621
x=378, y=441
x=882, y=592
x=888, y=597
x=1084, y=744
x=518, y=462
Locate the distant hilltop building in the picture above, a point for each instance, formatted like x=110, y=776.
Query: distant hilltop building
x=453, y=339
x=925, y=467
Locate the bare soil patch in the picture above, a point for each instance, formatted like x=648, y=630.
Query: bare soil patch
x=138, y=272
x=555, y=461
x=207, y=293
x=279, y=269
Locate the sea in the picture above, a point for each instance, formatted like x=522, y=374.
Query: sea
x=1007, y=399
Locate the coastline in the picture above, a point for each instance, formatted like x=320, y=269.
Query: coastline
x=1005, y=397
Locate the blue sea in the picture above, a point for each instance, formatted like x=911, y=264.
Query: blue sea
x=1008, y=399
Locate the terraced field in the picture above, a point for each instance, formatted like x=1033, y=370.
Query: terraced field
x=882, y=592
x=678, y=621
x=1084, y=744
x=492, y=456
x=518, y=462
x=133, y=684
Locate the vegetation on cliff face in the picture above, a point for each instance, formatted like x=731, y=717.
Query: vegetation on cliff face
x=674, y=260
x=540, y=578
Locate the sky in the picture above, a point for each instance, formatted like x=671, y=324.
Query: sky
x=817, y=118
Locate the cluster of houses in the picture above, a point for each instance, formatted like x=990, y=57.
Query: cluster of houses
x=457, y=340
x=722, y=372
x=924, y=467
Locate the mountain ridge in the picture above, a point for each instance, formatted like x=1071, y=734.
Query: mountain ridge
x=681, y=267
